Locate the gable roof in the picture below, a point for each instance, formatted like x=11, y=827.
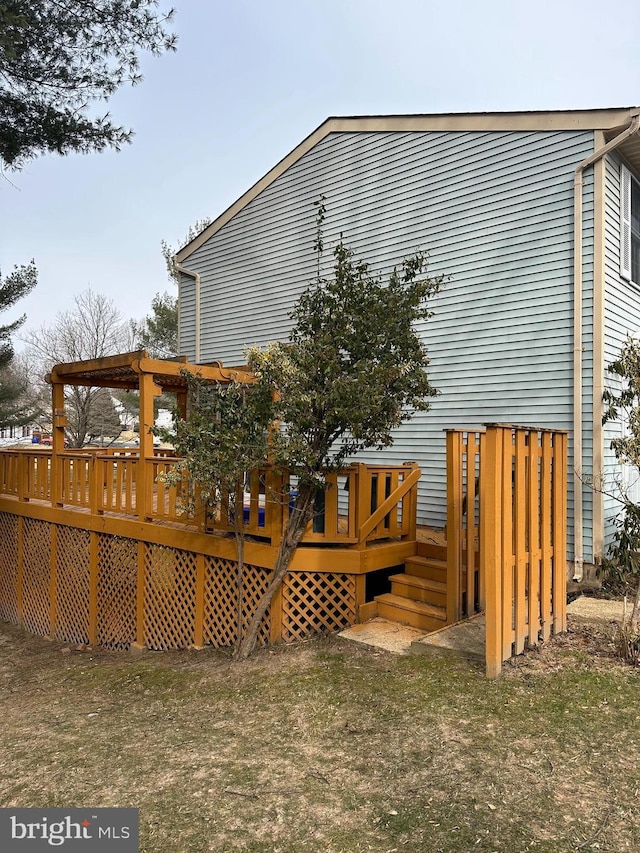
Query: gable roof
x=609, y=121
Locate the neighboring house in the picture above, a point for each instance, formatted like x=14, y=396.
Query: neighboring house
x=534, y=215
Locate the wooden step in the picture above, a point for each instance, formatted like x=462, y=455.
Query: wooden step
x=426, y=567
x=431, y=551
x=426, y=617
x=419, y=589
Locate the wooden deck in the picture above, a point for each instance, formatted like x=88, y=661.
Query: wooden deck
x=365, y=519
x=97, y=549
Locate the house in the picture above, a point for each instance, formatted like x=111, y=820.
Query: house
x=535, y=218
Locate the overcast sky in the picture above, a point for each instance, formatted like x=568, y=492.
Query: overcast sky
x=251, y=79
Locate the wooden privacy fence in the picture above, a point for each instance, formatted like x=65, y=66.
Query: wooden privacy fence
x=507, y=534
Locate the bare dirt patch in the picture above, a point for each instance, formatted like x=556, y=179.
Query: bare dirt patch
x=330, y=746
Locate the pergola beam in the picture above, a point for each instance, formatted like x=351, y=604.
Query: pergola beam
x=125, y=371
x=107, y=362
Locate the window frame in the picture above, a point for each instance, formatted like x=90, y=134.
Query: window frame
x=627, y=233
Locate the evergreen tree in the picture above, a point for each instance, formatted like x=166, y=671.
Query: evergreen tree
x=622, y=404
x=169, y=252
x=15, y=407
x=104, y=421
x=59, y=56
x=158, y=332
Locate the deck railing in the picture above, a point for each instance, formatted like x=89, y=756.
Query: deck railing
x=360, y=505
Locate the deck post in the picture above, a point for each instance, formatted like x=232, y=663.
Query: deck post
x=93, y=589
x=181, y=403
x=53, y=582
x=198, y=639
x=362, y=499
x=57, y=441
x=23, y=485
x=274, y=504
x=454, y=524
x=275, y=612
x=361, y=594
x=412, y=508
x=144, y=485
x=96, y=487
x=491, y=559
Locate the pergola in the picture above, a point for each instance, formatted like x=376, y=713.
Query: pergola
x=134, y=371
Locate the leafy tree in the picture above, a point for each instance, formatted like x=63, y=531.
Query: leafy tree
x=59, y=56
x=353, y=369
x=15, y=408
x=94, y=328
x=224, y=438
x=158, y=332
x=624, y=403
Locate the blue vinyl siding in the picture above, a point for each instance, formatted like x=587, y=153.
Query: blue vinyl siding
x=622, y=317
x=494, y=211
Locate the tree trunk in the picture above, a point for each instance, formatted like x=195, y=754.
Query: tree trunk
x=635, y=613
x=296, y=525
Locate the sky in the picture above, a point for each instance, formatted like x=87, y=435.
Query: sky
x=250, y=80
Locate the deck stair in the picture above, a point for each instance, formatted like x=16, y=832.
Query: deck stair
x=418, y=596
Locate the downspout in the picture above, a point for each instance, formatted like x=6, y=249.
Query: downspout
x=577, y=337
x=196, y=276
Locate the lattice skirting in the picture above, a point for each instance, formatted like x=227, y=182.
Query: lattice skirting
x=83, y=587
x=317, y=603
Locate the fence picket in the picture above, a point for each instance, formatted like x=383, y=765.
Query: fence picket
x=545, y=537
x=508, y=562
x=470, y=492
x=559, y=582
x=520, y=538
x=491, y=555
x=454, y=523
x=534, y=508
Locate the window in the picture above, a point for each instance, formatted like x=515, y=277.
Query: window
x=630, y=226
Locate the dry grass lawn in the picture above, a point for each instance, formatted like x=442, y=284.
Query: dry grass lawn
x=330, y=746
